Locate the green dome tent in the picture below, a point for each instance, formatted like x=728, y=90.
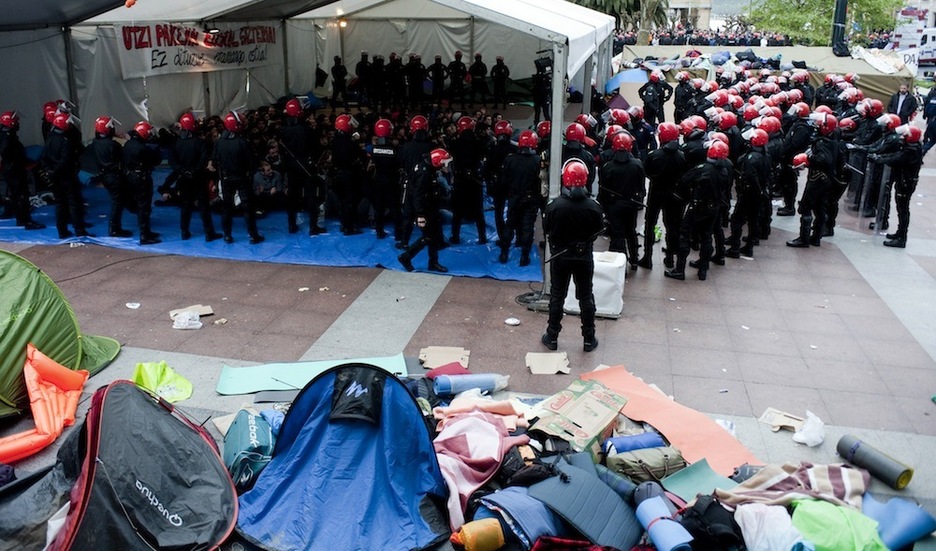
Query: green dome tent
x=33, y=309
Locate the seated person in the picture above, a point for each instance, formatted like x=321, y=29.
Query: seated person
x=269, y=192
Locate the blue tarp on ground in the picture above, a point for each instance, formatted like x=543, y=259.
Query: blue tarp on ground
x=353, y=469
x=331, y=249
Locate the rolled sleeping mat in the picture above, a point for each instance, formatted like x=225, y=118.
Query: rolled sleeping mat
x=650, y=490
x=449, y=385
x=621, y=444
x=666, y=533
x=881, y=466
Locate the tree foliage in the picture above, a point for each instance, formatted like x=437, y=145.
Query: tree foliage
x=810, y=21
x=638, y=15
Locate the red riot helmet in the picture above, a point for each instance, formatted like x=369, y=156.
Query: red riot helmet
x=187, y=122
x=543, y=129
x=383, y=128
x=440, y=158
x=910, y=134
x=622, y=141
x=104, y=125
x=527, y=139
x=717, y=150
x=800, y=161
x=10, y=120
x=620, y=117
x=726, y=120
x=611, y=131
x=668, y=132
x=465, y=124
x=757, y=137
x=345, y=123
x=587, y=121
x=420, y=122
x=503, y=128
x=143, y=129
x=636, y=112
x=574, y=174
x=293, y=108
x=62, y=121
x=232, y=122
x=575, y=132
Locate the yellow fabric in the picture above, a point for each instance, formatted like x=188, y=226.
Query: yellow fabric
x=482, y=535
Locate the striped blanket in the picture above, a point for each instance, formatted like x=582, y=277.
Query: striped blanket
x=782, y=484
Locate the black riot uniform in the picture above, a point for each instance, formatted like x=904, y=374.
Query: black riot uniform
x=386, y=189
x=705, y=183
x=363, y=72
x=751, y=187
x=139, y=159
x=905, y=165
x=521, y=175
x=346, y=158
x=234, y=162
x=478, y=72
x=457, y=72
x=411, y=155
x=427, y=193
x=497, y=188
x=467, y=194
x=573, y=222
x=797, y=139
x=59, y=162
x=621, y=192
x=438, y=72
x=304, y=189
x=654, y=95
x=339, y=73
x=682, y=97
x=664, y=168
x=415, y=76
x=774, y=152
x=542, y=92
x=189, y=158
x=823, y=167
x=107, y=157
x=378, y=80
x=694, y=147
x=396, y=81
x=13, y=169
x=499, y=75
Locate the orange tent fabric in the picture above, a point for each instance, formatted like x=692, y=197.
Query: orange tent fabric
x=54, y=391
x=692, y=433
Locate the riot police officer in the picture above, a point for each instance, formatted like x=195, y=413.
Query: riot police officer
x=107, y=156
x=427, y=195
x=233, y=160
x=13, y=154
x=139, y=160
x=303, y=192
x=521, y=174
x=621, y=192
x=189, y=157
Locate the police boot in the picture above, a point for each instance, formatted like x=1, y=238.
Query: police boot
x=786, y=211
x=406, y=261
x=550, y=340
x=117, y=231
x=679, y=272
x=746, y=251
x=590, y=342
x=645, y=262
x=897, y=240
x=803, y=239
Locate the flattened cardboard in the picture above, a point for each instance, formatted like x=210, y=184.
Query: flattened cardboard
x=781, y=420
x=437, y=356
x=696, y=435
x=548, y=363
x=583, y=414
x=202, y=310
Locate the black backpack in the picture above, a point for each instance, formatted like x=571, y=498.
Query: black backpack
x=713, y=527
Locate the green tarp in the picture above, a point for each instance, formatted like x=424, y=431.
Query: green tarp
x=33, y=309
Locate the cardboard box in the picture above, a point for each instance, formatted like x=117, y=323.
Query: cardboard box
x=583, y=414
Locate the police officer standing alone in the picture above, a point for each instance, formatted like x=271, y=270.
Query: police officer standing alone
x=427, y=195
x=189, y=156
x=457, y=72
x=107, y=156
x=13, y=155
x=573, y=222
x=339, y=86
x=521, y=173
x=234, y=162
x=438, y=72
x=478, y=72
x=139, y=159
x=499, y=75
x=655, y=93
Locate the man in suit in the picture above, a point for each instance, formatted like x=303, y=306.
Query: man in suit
x=902, y=104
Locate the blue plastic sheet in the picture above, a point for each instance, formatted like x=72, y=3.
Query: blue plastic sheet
x=332, y=249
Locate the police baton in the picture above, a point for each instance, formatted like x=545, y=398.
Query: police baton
x=591, y=238
x=296, y=159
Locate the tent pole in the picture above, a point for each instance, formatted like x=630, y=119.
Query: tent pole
x=208, y=111
x=285, y=58
x=471, y=37
x=557, y=110
x=70, y=68
x=586, y=84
